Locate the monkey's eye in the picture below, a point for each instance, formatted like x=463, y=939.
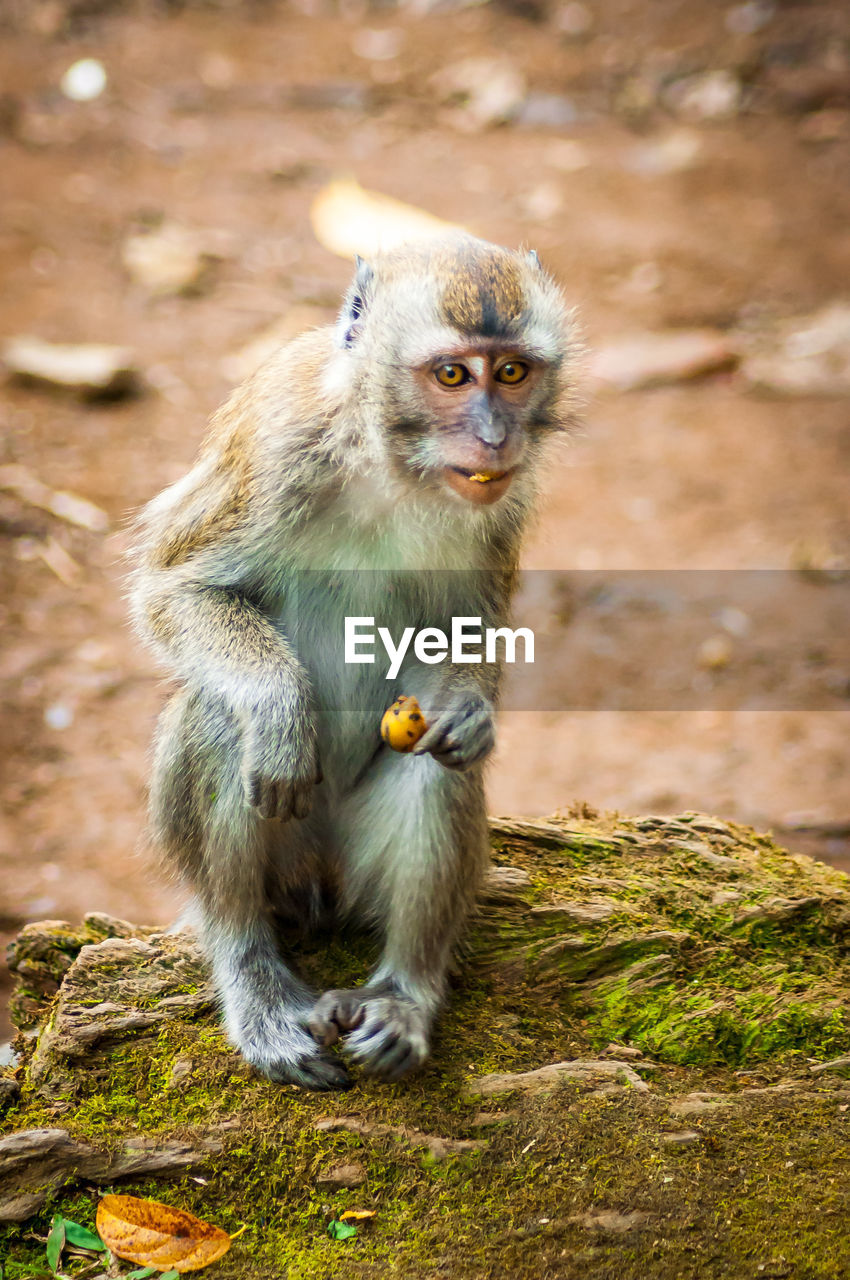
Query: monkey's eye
x=452, y=375
x=512, y=372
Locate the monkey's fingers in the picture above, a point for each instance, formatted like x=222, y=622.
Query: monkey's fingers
x=433, y=738
x=398, y=1062
x=335, y=1012
x=466, y=741
x=321, y=1072
x=463, y=755
x=386, y=1053
x=302, y=799
x=454, y=754
x=254, y=790
x=449, y=729
x=268, y=799
x=261, y=794
x=391, y=1040
x=455, y=759
x=280, y=799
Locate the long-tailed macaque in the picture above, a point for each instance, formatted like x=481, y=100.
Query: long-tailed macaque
x=382, y=466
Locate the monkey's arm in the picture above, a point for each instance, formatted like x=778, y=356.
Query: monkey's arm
x=206, y=551
x=218, y=642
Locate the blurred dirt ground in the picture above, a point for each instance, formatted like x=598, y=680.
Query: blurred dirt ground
x=661, y=199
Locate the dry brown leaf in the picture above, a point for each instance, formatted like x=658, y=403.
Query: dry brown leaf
x=349, y=220
x=155, y=1235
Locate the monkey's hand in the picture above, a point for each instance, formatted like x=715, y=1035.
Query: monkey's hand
x=460, y=730
x=280, y=765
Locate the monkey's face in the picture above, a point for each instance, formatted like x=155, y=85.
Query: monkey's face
x=476, y=399
x=462, y=351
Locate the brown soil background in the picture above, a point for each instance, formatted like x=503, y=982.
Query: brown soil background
x=230, y=119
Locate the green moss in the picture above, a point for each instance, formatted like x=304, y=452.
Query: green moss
x=714, y=1025
x=752, y=1191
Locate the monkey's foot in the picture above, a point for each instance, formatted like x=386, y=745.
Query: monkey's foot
x=319, y=1071
x=286, y=1054
x=386, y=1034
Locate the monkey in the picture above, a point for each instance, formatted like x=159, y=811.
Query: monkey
x=385, y=463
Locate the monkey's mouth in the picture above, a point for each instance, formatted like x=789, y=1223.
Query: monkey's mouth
x=480, y=487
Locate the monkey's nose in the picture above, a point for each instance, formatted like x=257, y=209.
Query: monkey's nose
x=490, y=431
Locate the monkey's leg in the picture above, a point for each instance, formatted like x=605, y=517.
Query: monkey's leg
x=415, y=841
x=266, y=1008
x=226, y=851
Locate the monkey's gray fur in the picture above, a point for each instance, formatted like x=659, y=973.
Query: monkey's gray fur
x=325, y=489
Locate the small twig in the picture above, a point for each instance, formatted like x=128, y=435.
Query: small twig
x=66, y=506
x=59, y=561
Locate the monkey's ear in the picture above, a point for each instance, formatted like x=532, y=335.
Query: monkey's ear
x=533, y=258
x=355, y=303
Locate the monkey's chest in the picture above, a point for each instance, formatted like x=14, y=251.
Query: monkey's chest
x=343, y=625
x=348, y=695
x=380, y=572
x=345, y=628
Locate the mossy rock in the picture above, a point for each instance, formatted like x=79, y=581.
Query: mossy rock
x=690, y=977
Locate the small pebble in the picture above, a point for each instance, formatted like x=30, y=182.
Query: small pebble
x=715, y=653
x=542, y=202
x=181, y=1069
x=711, y=95
x=171, y=259
x=747, y=19
x=351, y=1174
x=734, y=621
x=8, y=1057
x=59, y=716
x=84, y=80
x=88, y=369
x=547, y=111
x=687, y=1138
x=574, y=20
x=809, y=355
x=613, y=1050
x=490, y=91
x=673, y=152
x=377, y=45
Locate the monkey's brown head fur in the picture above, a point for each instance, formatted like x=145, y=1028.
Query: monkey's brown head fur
x=462, y=352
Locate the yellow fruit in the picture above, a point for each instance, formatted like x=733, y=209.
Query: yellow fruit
x=403, y=724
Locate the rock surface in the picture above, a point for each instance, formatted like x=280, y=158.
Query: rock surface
x=672, y=1068
x=36, y=1161
x=545, y=1079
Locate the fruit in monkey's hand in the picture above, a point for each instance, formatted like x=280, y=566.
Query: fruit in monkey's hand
x=403, y=724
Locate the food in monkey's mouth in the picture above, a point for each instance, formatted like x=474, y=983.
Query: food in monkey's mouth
x=479, y=486
x=480, y=477
x=403, y=724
